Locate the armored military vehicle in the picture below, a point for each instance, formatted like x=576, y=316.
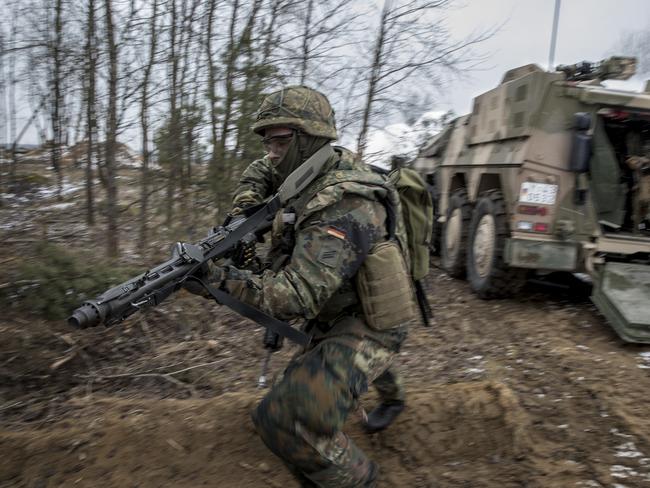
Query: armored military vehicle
x=550, y=172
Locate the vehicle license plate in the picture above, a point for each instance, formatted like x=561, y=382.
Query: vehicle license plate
x=543, y=193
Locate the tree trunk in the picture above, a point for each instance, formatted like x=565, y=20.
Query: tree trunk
x=57, y=101
x=212, y=95
x=174, y=126
x=305, y=42
x=229, y=83
x=12, y=103
x=375, y=72
x=3, y=128
x=112, y=239
x=235, y=50
x=91, y=116
x=144, y=128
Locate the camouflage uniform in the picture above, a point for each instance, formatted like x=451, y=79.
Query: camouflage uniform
x=319, y=241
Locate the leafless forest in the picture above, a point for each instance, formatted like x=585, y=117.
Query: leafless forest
x=179, y=80
x=123, y=128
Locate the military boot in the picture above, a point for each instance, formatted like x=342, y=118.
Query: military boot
x=350, y=467
x=335, y=477
x=383, y=415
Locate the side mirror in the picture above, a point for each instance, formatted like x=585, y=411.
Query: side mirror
x=581, y=144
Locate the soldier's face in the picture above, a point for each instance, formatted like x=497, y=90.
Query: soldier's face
x=276, y=142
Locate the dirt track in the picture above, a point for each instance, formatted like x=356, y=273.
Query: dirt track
x=533, y=391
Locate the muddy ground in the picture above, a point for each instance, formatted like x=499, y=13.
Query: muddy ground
x=533, y=391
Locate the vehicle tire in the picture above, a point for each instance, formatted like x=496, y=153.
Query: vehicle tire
x=488, y=274
x=453, y=242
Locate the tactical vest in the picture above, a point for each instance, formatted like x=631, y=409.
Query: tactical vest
x=384, y=278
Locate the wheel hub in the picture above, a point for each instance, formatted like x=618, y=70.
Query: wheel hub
x=483, y=248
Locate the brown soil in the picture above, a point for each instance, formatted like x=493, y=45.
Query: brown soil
x=534, y=391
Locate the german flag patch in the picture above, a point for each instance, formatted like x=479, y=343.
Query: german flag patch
x=334, y=232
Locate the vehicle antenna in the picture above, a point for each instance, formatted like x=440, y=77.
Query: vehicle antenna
x=556, y=18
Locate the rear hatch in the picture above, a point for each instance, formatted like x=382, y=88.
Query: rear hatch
x=622, y=294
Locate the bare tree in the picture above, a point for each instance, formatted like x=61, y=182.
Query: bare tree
x=112, y=239
x=12, y=100
x=410, y=42
x=91, y=114
x=238, y=43
x=174, y=125
x=144, y=125
x=57, y=93
x=212, y=81
x=327, y=29
x=3, y=114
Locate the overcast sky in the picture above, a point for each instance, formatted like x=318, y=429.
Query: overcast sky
x=588, y=30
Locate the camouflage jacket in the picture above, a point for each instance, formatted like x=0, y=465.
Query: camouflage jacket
x=258, y=182
x=320, y=239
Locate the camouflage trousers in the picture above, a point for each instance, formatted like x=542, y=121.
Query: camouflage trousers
x=301, y=418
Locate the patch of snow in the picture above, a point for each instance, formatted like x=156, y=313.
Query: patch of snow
x=627, y=450
x=589, y=484
x=476, y=358
x=475, y=370
x=563, y=426
x=57, y=206
x=645, y=357
x=619, y=471
x=617, y=432
x=584, y=348
x=66, y=189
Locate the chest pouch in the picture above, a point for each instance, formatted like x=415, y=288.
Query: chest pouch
x=283, y=233
x=385, y=288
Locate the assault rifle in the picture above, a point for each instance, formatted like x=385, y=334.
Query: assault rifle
x=153, y=286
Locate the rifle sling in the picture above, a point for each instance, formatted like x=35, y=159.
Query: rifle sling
x=256, y=315
x=292, y=186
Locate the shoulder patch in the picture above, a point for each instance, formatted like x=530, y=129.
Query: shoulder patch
x=330, y=251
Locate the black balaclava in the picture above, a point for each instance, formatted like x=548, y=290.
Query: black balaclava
x=302, y=146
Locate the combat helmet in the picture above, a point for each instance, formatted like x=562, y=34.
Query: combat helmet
x=299, y=107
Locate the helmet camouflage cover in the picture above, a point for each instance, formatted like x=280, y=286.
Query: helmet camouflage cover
x=299, y=107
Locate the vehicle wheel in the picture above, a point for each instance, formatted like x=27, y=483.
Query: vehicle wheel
x=487, y=272
x=453, y=243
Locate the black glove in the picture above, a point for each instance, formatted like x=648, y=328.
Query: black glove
x=208, y=273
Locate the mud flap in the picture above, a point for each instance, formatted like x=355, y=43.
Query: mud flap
x=622, y=295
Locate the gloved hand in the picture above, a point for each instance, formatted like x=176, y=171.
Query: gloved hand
x=208, y=273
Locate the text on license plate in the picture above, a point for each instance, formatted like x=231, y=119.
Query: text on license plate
x=543, y=193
